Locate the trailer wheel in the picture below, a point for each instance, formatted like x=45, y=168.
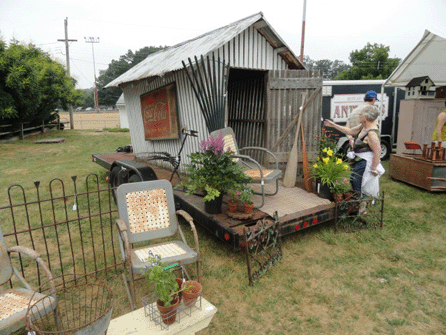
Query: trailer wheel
x=385, y=150
x=134, y=178
x=115, y=181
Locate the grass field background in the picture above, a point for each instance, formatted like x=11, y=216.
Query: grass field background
x=389, y=281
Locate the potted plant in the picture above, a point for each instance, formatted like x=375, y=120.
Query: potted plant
x=339, y=188
x=246, y=198
x=166, y=288
x=213, y=171
x=329, y=166
x=191, y=291
x=233, y=200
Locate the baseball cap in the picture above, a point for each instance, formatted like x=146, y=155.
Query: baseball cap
x=372, y=94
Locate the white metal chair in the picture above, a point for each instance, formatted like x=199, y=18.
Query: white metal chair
x=14, y=302
x=253, y=169
x=147, y=213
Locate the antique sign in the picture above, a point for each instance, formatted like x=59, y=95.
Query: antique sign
x=159, y=113
x=342, y=105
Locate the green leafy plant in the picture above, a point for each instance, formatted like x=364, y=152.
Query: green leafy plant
x=341, y=186
x=329, y=167
x=246, y=195
x=234, y=195
x=163, y=279
x=213, y=170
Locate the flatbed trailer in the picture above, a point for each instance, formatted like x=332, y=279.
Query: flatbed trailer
x=297, y=209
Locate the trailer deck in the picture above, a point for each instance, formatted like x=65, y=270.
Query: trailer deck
x=297, y=209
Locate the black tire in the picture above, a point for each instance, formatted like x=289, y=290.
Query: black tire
x=134, y=178
x=115, y=181
x=385, y=150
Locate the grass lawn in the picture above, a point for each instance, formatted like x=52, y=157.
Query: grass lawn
x=389, y=281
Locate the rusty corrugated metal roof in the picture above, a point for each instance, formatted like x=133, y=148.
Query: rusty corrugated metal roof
x=170, y=59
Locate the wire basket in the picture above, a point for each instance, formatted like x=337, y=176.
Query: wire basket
x=78, y=306
x=151, y=310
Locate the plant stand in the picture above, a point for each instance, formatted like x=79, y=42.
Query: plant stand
x=348, y=219
x=137, y=322
x=151, y=310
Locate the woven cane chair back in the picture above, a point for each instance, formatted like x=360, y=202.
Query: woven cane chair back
x=148, y=210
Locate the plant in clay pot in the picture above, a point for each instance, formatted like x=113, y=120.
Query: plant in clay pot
x=191, y=291
x=166, y=287
x=246, y=197
x=340, y=187
x=213, y=171
x=233, y=200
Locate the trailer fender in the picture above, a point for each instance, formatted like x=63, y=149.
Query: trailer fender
x=126, y=171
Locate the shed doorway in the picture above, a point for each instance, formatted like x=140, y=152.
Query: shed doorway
x=246, y=106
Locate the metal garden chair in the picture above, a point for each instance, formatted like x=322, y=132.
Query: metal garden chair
x=147, y=213
x=14, y=302
x=253, y=169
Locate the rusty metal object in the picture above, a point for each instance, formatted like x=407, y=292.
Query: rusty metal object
x=83, y=306
x=73, y=231
x=263, y=248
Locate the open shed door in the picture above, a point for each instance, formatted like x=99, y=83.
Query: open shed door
x=284, y=96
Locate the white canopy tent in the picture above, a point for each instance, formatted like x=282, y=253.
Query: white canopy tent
x=428, y=58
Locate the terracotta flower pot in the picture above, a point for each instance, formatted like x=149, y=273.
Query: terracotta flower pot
x=348, y=196
x=191, y=292
x=338, y=197
x=168, y=314
x=233, y=206
x=248, y=207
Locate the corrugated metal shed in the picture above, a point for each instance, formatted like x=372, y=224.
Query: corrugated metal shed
x=170, y=59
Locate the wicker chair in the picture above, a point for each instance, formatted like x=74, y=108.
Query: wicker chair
x=253, y=169
x=147, y=213
x=14, y=302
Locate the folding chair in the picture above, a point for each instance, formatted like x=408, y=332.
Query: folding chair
x=14, y=302
x=147, y=213
x=253, y=169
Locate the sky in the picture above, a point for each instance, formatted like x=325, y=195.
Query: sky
x=333, y=29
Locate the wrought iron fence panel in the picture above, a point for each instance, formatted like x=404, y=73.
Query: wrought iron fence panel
x=71, y=225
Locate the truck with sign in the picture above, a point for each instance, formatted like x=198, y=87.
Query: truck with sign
x=341, y=97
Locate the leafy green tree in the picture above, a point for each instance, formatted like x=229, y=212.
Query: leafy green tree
x=330, y=68
x=109, y=96
x=32, y=85
x=371, y=62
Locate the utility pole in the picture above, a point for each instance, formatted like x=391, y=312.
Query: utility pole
x=67, y=48
x=93, y=40
x=302, y=42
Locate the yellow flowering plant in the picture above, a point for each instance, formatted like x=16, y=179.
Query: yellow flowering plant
x=329, y=167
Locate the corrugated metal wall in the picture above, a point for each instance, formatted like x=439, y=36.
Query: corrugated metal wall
x=247, y=50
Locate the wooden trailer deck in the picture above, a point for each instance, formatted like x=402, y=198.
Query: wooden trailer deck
x=297, y=209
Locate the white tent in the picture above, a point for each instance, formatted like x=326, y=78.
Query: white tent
x=428, y=58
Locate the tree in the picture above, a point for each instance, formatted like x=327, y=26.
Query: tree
x=330, y=68
x=32, y=85
x=109, y=96
x=371, y=62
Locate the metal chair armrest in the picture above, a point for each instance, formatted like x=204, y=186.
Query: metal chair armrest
x=190, y=220
x=123, y=240
x=276, y=162
x=35, y=256
x=252, y=161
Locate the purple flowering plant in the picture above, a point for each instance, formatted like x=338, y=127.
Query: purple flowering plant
x=213, y=171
